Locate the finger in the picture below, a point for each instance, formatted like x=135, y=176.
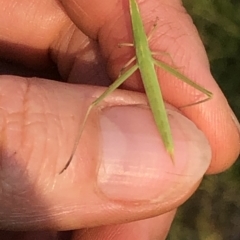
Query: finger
x=178, y=38
x=117, y=159
x=43, y=38
x=152, y=228
x=27, y=30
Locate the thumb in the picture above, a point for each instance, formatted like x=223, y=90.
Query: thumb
x=120, y=170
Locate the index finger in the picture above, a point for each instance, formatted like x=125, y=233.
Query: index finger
x=109, y=23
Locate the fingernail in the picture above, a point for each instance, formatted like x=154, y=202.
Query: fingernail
x=134, y=164
x=236, y=122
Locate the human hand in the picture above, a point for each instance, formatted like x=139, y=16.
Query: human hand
x=40, y=122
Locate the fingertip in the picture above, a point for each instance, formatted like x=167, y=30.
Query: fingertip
x=134, y=158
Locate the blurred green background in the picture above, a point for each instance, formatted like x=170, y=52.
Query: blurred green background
x=213, y=212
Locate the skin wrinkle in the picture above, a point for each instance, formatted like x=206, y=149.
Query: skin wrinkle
x=169, y=30
x=174, y=4
x=65, y=35
x=80, y=9
x=67, y=50
x=6, y=186
x=26, y=124
x=66, y=46
x=44, y=120
x=59, y=129
x=13, y=190
x=47, y=177
x=102, y=33
x=43, y=166
x=55, y=50
x=2, y=134
x=24, y=116
x=108, y=18
x=169, y=38
x=35, y=180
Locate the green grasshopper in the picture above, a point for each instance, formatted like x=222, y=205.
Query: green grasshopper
x=146, y=65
